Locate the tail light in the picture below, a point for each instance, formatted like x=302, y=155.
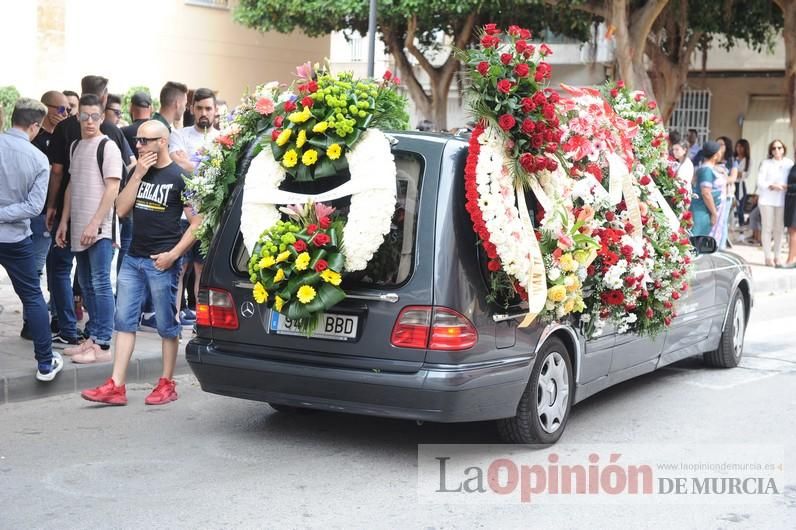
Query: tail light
x=433, y=328
x=216, y=308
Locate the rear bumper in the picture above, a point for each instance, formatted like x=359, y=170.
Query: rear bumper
x=441, y=394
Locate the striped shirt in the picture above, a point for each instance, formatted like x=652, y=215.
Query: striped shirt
x=87, y=186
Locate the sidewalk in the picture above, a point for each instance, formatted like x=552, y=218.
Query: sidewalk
x=17, y=366
x=766, y=280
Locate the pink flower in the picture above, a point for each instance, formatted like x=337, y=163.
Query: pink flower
x=544, y=49
x=483, y=68
x=264, y=106
x=387, y=75
x=304, y=71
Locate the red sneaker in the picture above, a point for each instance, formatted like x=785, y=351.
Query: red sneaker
x=163, y=393
x=107, y=393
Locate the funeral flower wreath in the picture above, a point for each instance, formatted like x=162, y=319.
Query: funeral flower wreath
x=299, y=244
x=609, y=241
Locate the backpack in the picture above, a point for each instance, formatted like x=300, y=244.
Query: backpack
x=100, y=161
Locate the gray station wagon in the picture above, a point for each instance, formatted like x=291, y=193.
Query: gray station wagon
x=416, y=337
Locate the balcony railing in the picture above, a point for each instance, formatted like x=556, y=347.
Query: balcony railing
x=216, y=4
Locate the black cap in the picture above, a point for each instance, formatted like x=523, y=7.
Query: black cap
x=141, y=99
x=709, y=149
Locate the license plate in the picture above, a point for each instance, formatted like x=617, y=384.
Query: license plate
x=330, y=326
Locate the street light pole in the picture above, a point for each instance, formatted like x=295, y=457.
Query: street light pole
x=372, y=39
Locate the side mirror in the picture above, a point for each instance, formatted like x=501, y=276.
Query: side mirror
x=704, y=244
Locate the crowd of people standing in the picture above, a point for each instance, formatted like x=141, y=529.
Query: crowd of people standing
x=68, y=169
x=717, y=173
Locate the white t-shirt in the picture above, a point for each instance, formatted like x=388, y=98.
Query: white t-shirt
x=772, y=172
x=190, y=139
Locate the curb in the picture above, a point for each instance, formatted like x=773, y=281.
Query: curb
x=76, y=377
x=778, y=285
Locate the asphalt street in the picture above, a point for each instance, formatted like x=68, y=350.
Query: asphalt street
x=212, y=462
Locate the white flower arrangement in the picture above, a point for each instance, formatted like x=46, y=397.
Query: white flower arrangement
x=501, y=216
x=373, y=174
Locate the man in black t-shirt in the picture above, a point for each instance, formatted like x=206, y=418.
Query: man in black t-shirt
x=153, y=196
x=140, y=111
x=60, y=260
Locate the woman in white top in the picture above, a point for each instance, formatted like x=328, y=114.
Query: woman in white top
x=684, y=168
x=743, y=162
x=772, y=182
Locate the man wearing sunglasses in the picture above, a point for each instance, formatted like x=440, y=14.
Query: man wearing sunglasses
x=88, y=207
x=61, y=259
x=154, y=198
x=113, y=110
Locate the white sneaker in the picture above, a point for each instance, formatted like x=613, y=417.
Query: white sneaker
x=57, y=366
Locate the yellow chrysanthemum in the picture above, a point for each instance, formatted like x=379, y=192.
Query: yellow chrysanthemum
x=279, y=276
x=330, y=276
x=301, y=139
x=284, y=137
x=300, y=116
x=267, y=261
x=306, y=294
x=278, y=303
x=260, y=294
x=334, y=151
x=309, y=157
x=557, y=293
x=302, y=261
x=283, y=256
x=290, y=159
x=320, y=127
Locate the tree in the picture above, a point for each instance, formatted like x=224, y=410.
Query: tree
x=788, y=9
x=8, y=96
x=667, y=32
x=424, y=30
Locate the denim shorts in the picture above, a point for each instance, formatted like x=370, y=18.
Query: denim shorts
x=136, y=272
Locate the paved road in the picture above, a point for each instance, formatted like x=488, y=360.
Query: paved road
x=212, y=462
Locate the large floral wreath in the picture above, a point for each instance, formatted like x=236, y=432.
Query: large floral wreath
x=611, y=245
x=324, y=125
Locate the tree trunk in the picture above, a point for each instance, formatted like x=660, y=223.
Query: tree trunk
x=789, y=11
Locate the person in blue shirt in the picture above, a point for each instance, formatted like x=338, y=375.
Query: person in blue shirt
x=707, y=190
x=24, y=176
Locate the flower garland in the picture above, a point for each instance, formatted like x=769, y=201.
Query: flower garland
x=297, y=266
x=327, y=119
x=610, y=248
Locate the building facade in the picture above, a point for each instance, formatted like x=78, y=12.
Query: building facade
x=51, y=44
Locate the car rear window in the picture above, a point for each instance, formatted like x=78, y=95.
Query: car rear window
x=392, y=264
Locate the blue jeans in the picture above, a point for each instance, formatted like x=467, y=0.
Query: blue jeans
x=125, y=239
x=41, y=241
x=19, y=261
x=94, y=274
x=59, y=278
x=41, y=246
x=138, y=273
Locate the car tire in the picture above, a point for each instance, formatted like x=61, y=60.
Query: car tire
x=544, y=407
x=730, y=349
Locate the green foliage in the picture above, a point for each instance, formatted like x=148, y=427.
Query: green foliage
x=8, y=96
x=320, y=17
